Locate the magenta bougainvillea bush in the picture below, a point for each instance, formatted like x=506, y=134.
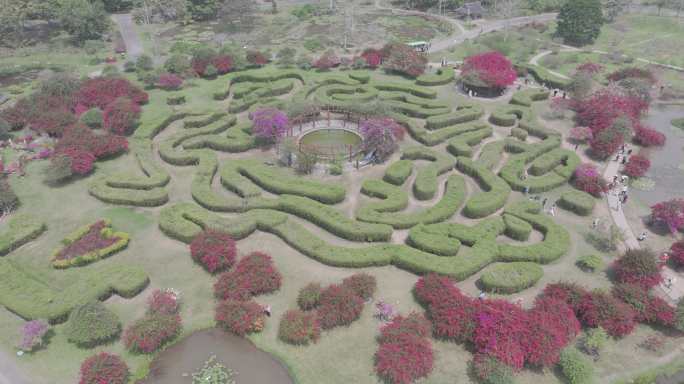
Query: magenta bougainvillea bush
x=670, y=213
x=269, y=123
x=32, y=335
x=160, y=324
x=214, y=250
x=638, y=266
x=104, y=368
x=637, y=165
x=491, y=68
x=381, y=134
x=240, y=317
x=254, y=274
x=403, y=59
x=677, y=253
x=588, y=178
x=120, y=116
x=169, y=81
x=648, y=137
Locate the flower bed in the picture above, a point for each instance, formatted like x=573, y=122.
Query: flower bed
x=89, y=244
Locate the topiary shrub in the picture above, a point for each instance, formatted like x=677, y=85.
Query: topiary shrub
x=120, y=117
x=648, y=137
x=679, y=315
x=240, y=317
x=309, y=296
x=576, y=368
x=454, y=318
x=163, y=302
x=638, y=266
x=214, y=250
x=33, y=335
x=362, y=284
x=677, y=253
x=92, y=118
x=594, y=340
x=92, y=324
x=404, y=359
x=591, y=263
x=8, y=199
x=104, y=368
x=148, y=334
x=511, y=277
x=567, y=292
x=299, y=328
x=637, y=166
x=253, y=275
x=601, y=309
x=489, y=370
x=579, y=202
x=433, y=288
x=339, y=306
x=414, y=324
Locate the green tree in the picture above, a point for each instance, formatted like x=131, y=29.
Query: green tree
x=203, y=9
x=286, y=56
x=83, y=19
x=544, y=5
x=580, y=21
x=118, y=5
x=613, y=8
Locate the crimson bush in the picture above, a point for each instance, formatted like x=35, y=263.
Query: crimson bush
x=404, y=359
x=362, y=284
x=632, y=72
x=587, y=178
x=599, y=111
x=102, y=91
x=222, y=63
x=104, y=368
x=501, y=332
x=256, y=58
x=240, y=317
x=492, y=69
x=601, y=309
x=148, y=334
x=433, y=288
x=100, y=145
x=670, y=213
x=677, y=253
x=403, y=59
x=214, y=250
x=169, y=82
x=372, y=57
x=637, y=166
x=299, y=328
x=413, y=324
x=81, y=160
x=339, y=306
x=253, y=275
x=648, y=137
x=551, y=325
x=567, y=292
x=454, y=317
x=121, y=115
x=638, y=266
x=163, y=302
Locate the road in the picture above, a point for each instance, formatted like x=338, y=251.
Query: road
x=9, y=373
x=134, y=47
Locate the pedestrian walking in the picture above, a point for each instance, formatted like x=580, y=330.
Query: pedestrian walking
x=544, y=202
x=624, y=199
x=629, y=153
x=615, y=178
x=526, y=190
x=617, y=157
x=576, y=146
x=565, y=95
x=595, y=223
x=555, y=92
x=624, y=159
x=552, y=211
x=642, y=236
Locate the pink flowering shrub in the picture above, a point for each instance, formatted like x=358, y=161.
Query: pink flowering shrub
x=587, y=178
x=32, y=335
x=670, y=213
x=580, y=134
x=405, y=353
x=169, y=82
x=380, y=134
x=214, y=250
x=648, y=137
x=269, y=123
x=492, y=68
x=590, y=68
x=637, y=166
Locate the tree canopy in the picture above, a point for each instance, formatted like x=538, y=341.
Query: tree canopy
x=580, y=21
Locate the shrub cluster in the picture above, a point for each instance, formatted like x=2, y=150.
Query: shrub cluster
x=648, y=137
x=299, y=328
x=104, y=368
x=362, y=284
x=405, y=353
x=254, y=274
x=339, y=306
x=576, y=367
x=401, y=58
x=309, y=296
x=647, y=308
x=587, y=178
x=677, y=253
x=510, y=278
x=491, y=69
x=637, y=166
x=214, y=250
x=92, y=324
x=579, y=202
x=240, y=316
x=638, y=266
x=33, y=335
x=160, y=324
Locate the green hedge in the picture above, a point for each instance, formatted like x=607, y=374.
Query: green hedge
x=236, y=139
x=579, y=202
x=20, y=230
x=441, y=77
x=463, y=144
x=496, y=191
x=385, y=212
x=201, y=121
x=362, y=77
x=528, y=96
x=406, y=88
x=398, y=172
x=519, y=133
x=517, y=228
x=416, y=111
x=92, y=324
x=507, y=115
x=576, y=367
x=29, y=298
x=266, y=75
x=544, y=77
x=439, y=136
x=510, y=278
x=679, y=123
x=434, y=239
x=411, y=99
x=464, y=113
x=425, y=184
x=491, y=154
x=553, y=161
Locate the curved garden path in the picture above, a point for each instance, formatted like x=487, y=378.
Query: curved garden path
x=134, y=47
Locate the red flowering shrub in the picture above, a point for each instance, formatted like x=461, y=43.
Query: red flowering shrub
x=380, y=134
x=372, y=57
x=580, y=134
x=638, y=266
x=599, y=111
x=454, y=317
x=562, y=313
x=632, y=72
x=662, y=313
x=492, y=68
x=169, y=82
x=339, y=306
x=121, y=116
x=501, y=332
x=647, y=308
x=214, y=250
x=222, y=63
x=362, y=284
x=102, y=91
x=81, y=160
x=404, y=359
x=600, y=309
x=587, y=178
x=269, y=123
x=41, y=113
x=299, y=328
x=403, y=59
x=413, y=324
x=677, y=253
x=199, y=65
x=670, y=213
x=327, y=61
x=309, y=297
x=163, y=302
x=567, y=292
x=253, y=275
x=434, y=288
x=648, y=137
x=148, y=334
x=240, y=317
x=590, y=68
x=104, y=368
x=637, y=166
x=100, y=145
x=256, y=58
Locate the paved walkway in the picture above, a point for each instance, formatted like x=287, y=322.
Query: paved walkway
x=134, y=47
x=9, y=373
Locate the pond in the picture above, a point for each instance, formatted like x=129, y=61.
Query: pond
x=667, y=163
x=334, y=141
x=176, y=364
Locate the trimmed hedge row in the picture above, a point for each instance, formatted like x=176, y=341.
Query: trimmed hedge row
x=519, y=133
x=462, y=145
x=454, y=195
x=398, y=172
x=517, y=228
x=508, y=115
x=236, y=139
x=425, y=184
x=464, y=113
x=441, y=77
x=495, y=193
x=528, y=96
x=439, y=136
x=408, y=98
x=20, y=230
x=579, y=202
x=201, y=121
x=416, y=111
x=94, y=255
x=406, y=88
x=511, y=277
x=261, y=94
x=29, y=298
x=491, y=154
x=265, y=75
x=543, y=76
